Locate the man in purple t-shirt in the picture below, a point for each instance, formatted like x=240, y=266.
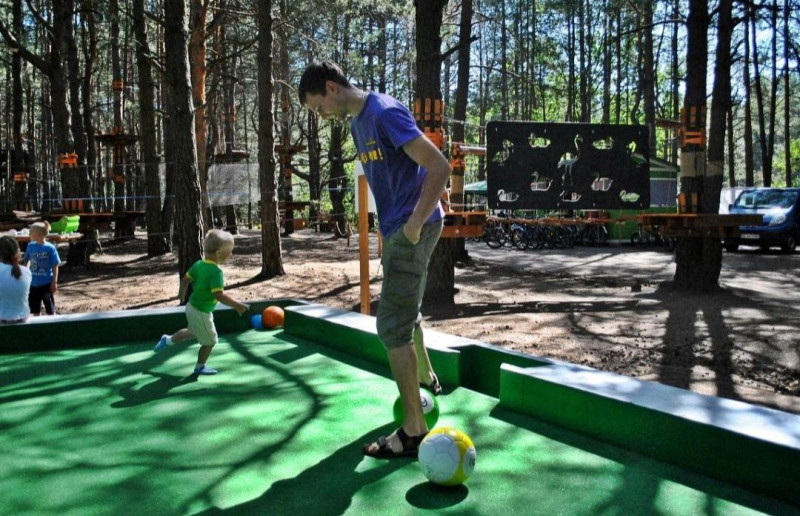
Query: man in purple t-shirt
x=407, y=175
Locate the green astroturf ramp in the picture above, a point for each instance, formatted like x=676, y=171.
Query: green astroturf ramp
x=356, y=334
x=755, y=447
x=113, y=328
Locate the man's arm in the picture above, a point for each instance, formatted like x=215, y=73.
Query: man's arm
x=425, y=154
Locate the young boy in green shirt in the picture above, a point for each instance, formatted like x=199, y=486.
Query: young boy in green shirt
x=208, y=289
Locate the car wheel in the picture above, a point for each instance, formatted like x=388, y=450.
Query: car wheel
x=764, y=247
x=789, y=243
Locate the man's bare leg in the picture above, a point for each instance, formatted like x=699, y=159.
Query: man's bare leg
x=425, y=374
x=403, y=362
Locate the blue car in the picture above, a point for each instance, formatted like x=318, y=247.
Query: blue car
x=781, y=210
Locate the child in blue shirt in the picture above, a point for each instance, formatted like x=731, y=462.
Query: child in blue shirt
x=42, y=257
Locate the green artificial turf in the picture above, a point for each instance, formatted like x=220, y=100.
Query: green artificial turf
x=279, y=430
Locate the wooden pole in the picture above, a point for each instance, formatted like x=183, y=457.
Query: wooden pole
x=363, y=242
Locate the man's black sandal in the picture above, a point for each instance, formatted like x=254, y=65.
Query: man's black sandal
x=385, y=451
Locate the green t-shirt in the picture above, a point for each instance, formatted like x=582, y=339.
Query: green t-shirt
x=206, y=279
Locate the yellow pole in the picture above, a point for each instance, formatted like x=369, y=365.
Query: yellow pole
x=363, y=242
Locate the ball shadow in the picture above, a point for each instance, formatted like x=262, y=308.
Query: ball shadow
x=428, y=495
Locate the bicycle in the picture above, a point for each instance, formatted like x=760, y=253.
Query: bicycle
x=647, y=236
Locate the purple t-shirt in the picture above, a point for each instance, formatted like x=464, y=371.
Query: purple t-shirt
x=380, y=131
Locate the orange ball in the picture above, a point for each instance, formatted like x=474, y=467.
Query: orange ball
x=272, y=317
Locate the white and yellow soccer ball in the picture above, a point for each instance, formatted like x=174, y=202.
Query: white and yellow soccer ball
x=447, y=456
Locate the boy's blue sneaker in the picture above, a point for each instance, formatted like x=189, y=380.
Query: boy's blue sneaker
x=204, y=370
x=161, y=344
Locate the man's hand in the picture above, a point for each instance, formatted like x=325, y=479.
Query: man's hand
x=411, y=233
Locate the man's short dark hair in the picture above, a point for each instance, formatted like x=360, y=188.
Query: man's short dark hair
x=316, y=75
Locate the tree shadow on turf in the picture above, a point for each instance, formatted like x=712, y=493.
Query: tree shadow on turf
x=325, y=488
x=152, y=391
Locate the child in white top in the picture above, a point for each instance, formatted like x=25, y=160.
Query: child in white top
x=15, y=283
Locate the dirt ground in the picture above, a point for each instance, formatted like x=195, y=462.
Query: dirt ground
x=611, y=308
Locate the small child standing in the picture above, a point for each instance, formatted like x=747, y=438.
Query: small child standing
x=43, y=260
x=15, y=282
x=207, y=282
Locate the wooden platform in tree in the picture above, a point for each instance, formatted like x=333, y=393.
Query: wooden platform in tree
x=463, y=224
x=54, y=238
x=699, y=225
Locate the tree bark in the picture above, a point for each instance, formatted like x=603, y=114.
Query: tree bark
x=748, y=112
x=118, y=173
x=87, y=91
x=338, y=180
x=675, y=111
x=766, y=151
x=460, y=113
x=649, y=75
x=285, y=193
x=787, y=143
x=698, y=260
x=75, y=79
x=180, y=149
x=198, y=14
x=720, y=106
x=272, y=263
x=17, y=152
x=157, y=241
x=440, y=287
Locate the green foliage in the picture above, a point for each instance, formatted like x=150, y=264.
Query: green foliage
x=779, y=165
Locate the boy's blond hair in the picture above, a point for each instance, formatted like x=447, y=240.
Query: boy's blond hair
x=214, y=241
x=39, y=227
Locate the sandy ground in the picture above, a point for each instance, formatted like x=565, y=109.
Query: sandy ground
x=609, y=307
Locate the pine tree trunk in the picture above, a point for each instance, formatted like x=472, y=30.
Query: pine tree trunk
x=75, y=80
x=766, y=153
x=272, y=263
x=787, y=112
x=17, y=152
x=118, y=173
x=198, y=14
x=180, y=152
x=338, y=183
x=460, y=113
x=88, y=92
x=720, y=106
x=698, y=260
x=440, y=287
x=748, y=117
x=649, y=76
x=157, y=241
